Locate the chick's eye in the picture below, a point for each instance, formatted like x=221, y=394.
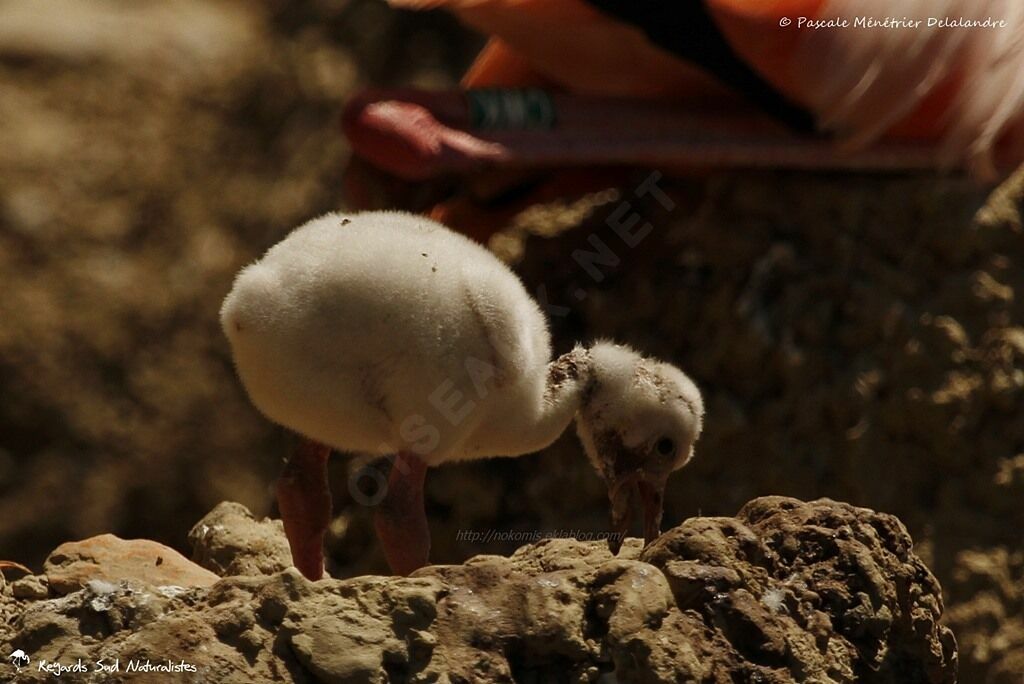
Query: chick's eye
x=665, y=446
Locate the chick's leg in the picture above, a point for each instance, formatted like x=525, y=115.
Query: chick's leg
x=401, y=519
x=305, y=503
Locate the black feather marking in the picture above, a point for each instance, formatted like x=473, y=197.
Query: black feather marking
x=686, y=29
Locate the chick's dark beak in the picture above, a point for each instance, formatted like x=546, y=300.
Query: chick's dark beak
x=625, y=492
x=652, y=498
x=622, y=491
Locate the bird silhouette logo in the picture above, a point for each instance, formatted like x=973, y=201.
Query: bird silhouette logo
x=19, y=659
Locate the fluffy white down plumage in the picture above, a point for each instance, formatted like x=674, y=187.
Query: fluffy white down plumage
x=381, y=332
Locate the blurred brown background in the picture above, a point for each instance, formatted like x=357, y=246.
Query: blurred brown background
x=856, y=337
x=149, y=150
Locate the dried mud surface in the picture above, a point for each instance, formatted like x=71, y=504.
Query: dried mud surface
x=785, y=591
x=856, y=337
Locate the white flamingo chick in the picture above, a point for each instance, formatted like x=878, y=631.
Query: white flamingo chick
x=387, y=333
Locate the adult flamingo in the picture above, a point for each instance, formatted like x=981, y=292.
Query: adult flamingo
x=701, y=83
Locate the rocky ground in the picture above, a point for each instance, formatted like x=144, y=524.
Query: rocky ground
x=856, y=337
x=785, y=591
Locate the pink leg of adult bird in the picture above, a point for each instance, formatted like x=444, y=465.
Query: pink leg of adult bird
x=401, y=518
x=418, y=135
x=305, y=503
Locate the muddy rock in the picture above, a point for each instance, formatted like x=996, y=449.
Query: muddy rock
x=30, y=587
x=785, y=591
x=107, y=558
x=231, y=541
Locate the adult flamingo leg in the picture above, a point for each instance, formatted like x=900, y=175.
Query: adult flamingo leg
x=401, y=519
x=305, y=503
